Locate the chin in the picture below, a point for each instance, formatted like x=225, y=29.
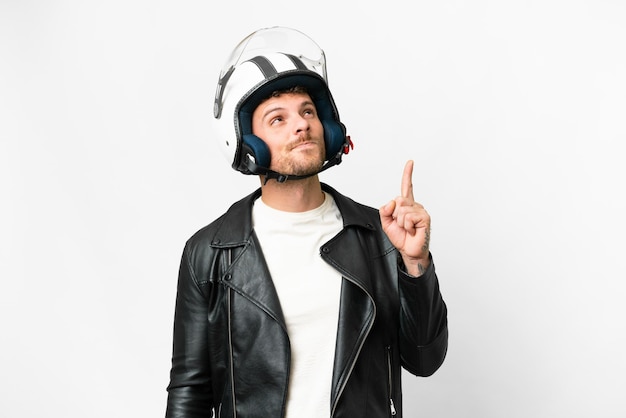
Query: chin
x=308, y=169
x=300, y=168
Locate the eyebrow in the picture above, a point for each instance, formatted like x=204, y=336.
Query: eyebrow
x=277, y=108
x=270, y=110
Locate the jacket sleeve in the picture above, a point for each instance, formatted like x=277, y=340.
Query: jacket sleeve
x=423, y=322
x=189, y=390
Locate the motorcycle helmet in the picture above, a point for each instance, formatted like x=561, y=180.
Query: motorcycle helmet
x=267, y=60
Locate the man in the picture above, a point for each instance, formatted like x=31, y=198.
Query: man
x=298, y=301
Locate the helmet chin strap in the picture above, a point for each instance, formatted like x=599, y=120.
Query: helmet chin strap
x=254, y=168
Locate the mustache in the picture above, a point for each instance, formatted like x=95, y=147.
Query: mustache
x=306, y=137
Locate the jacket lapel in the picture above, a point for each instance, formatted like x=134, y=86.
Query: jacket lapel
x=251, y=278
x=247, y=273
x=357, y=310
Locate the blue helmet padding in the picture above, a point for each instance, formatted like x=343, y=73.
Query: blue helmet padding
x=258, y=149
x=334, y=130
x=334, y=137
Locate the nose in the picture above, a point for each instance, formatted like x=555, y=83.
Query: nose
x=301, y=124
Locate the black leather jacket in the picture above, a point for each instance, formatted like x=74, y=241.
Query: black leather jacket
x=231, y=349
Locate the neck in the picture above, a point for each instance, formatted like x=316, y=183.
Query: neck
x=293, y=195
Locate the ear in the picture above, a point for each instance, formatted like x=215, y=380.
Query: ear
x=334, y=137
x=255, y=146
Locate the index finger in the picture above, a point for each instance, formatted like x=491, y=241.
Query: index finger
x=407, y=182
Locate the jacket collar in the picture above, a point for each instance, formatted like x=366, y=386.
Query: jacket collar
x=236, y=225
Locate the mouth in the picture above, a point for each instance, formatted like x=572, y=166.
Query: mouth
x=306, y=144
x=303, y=145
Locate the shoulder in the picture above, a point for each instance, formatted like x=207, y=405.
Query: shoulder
x=233, y=226
x=353, y=212
x=364, y=220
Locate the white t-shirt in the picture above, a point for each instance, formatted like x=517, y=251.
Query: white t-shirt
x=309, y=291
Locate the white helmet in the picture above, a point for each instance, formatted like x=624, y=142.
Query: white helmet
x=267, y=60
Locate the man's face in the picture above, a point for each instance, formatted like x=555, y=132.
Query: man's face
x=290, y=127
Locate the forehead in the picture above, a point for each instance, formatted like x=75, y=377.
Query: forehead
x=277, y=99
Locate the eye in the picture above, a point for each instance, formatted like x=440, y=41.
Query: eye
x=275, y=120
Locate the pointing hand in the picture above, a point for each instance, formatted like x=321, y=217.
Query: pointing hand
x=407, y=224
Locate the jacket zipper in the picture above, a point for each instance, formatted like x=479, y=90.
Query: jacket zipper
x=230, y=341
x=358, y=352
x=230, y=354
x=392, y=406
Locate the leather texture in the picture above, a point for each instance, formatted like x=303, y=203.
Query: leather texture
x=231, y=349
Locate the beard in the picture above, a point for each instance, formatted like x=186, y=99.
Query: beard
x=295, y=162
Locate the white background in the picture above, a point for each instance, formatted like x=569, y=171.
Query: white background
x=513, y=111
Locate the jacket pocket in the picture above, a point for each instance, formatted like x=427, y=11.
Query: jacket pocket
x=389, y=354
